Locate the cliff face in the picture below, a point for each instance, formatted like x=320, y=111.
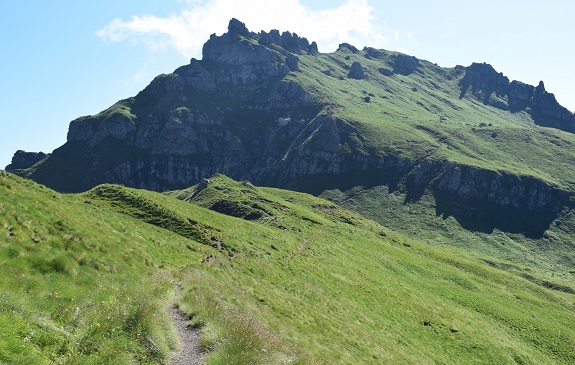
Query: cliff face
x=227, y=113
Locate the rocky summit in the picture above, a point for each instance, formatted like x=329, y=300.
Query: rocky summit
x=542, y=105
x=270, y=108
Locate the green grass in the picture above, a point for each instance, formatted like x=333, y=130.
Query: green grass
x=81, y=284
x=550, y=257
x=421, y=116
x=358, y=293
x=303, y=282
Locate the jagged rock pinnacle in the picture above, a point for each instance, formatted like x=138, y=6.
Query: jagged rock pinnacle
x=235, y=27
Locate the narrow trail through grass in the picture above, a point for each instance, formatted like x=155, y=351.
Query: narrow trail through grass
x=189, y=352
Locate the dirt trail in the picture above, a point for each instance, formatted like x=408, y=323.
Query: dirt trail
x=189, y=352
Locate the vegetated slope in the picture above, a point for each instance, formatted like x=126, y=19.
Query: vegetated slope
x=297, y=279
x=80, y=283
x=351, y=291
x=422, y=115
x=548, y=256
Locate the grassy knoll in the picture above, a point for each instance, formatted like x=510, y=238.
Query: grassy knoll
x=281, y=277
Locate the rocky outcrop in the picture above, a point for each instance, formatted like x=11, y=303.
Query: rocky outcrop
x=543, y=107
x=371, y=52
x=94, y=130
x=546, y=111
x=291, y=42
x=234, y=69
x=519, y=95
x=405, y=64
x=344, y=46
x=483, y=77
x=356, y=71
x=23, y=160
x=218, y=114
x=485, y=199
x=238, y=63
x=502, y=190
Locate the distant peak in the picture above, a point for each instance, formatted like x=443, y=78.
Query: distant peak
x=23, y=160
x=541, y=86
x=237, y=27
x=353, y=49
x=236, y=46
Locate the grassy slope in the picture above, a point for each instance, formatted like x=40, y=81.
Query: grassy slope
x=421, y=115
x=350, y=291
x=71, y=289
x=549, y=257
x=303, y=281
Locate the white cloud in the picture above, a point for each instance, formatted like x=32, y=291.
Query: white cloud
x=186, y=32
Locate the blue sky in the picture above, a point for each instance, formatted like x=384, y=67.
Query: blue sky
x=62, y=59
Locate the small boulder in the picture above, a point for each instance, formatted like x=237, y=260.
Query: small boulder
x=248, y=184
x=372, y=52
x=385, y=71
x=292, y=62
x=313, y=50
x=203, y=184
x=356, y=71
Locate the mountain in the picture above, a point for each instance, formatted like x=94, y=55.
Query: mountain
x=269, y=108
x=269, y=276
x=482, y=160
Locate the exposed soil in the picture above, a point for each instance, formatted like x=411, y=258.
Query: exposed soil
x=189, y=352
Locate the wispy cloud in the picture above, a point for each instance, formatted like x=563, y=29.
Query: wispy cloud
x=352, y=22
